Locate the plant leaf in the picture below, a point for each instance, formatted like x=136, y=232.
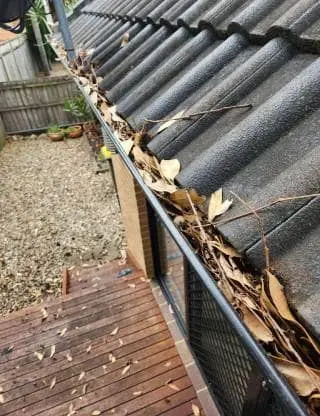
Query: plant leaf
x=126, y=369
x=180, y=198
x=170, y=168
x=82, y=374
x=127, y=145
x=62, y=332
x=169, y=122
x=297, y=376
x=1, y=398
x=69, y=357
x=216, y=206
x=39, y=355
x=173, y=387
x=84, y=388
x=233, y=274
x=88, y=349
x=137, y=393
x=256, y=325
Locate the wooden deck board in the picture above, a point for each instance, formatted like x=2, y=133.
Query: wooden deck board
x=146, y=376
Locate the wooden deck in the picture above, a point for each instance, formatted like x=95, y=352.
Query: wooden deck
x=106, y=351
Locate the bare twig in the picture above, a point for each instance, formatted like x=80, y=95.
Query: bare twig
x=201, y=113
x=277, y=201
x=261, y=226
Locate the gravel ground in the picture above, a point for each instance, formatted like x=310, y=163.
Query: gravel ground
x=55, y=212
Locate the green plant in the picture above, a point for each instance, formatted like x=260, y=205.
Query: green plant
x=54, y=129
x=79, y=108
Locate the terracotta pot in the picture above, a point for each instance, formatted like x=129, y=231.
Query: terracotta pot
x=75, y=133
x=56, y=137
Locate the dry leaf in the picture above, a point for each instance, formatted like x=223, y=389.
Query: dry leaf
x=52, y=351
x=137, y=138
x=126, y=369
x=227, y=250
x=83, y=80
x=44, y=314
x=297, y=376
x=127, y=145
x=195, y=410
x=62, y=332
x=169, y=169
x=173, y=387
x=137, y=393
x=114, y=115
x=84, y=389
x=53, y=383
x=68, y=356
x=39, y=355
x=82, y=374
x=74, y=391
x=171, y=309
x=112, y=358
x=168, y=364
x=105, y=110
x=96, y=413
x=180, y=198
x=169, y=122
x=256, y=325
x=120, y=342
x=124, y=40
x=94, y=97
x=1, y=398
x=278, y=297
x=87, y=89
x=233, y=274
x=88, y=349
x=115, y=331
x=141, y=157
x=161, y=186
x=132, y=285
x=71, y=410
x=216, y=206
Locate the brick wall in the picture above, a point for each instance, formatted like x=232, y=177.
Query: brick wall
x=135, y=217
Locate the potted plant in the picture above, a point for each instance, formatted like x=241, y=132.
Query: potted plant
x=55, y=133
x=80, y=110
x=73, y=132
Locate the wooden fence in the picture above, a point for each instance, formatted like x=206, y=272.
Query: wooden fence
x=36, y=104
x=16, y=60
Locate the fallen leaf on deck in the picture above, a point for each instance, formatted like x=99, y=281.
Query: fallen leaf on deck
x=115, y=331
x=71, y=410
x=88, y=349
x=298, y=377
x=137, y=393
x=124, y=40
x=39, y=355
x=169, y=122
x=44, y=314
x=195, y=410
x=68, y=356
x=52, y=351
x=120, y=342
x=173, y=387
x=83, y=308
x=112, y=358
x=168, y=364
x=126, y=369
x=256, y=325
x=1, y=398
x=62, y=332
x=82, y=374
x=132, y=285
x=53, y=383
x=170, y=169
x=84, y=389
x=74, y=391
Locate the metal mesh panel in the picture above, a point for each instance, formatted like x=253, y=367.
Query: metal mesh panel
x=220, y=353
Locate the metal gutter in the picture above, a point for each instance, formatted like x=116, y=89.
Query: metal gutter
x=277, y=383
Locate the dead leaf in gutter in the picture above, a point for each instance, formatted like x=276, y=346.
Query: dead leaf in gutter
x=256, y=325
x=127, y=145
x=235, y=274
x=180, y=198
x=216, y=206
x=94, y=97
x=105, y=110
x=227, y=250
x=161, y=186
x=170, y=169
x=278, y=297
x=87, y=89
x=114, y=115
x=169, y=122
x=124, y=40
x=53, y=383
x=297, y=376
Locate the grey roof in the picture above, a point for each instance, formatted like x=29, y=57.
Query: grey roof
x=205, y=54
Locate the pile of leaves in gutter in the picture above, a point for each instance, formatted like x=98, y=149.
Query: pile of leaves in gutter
x=259, y=300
